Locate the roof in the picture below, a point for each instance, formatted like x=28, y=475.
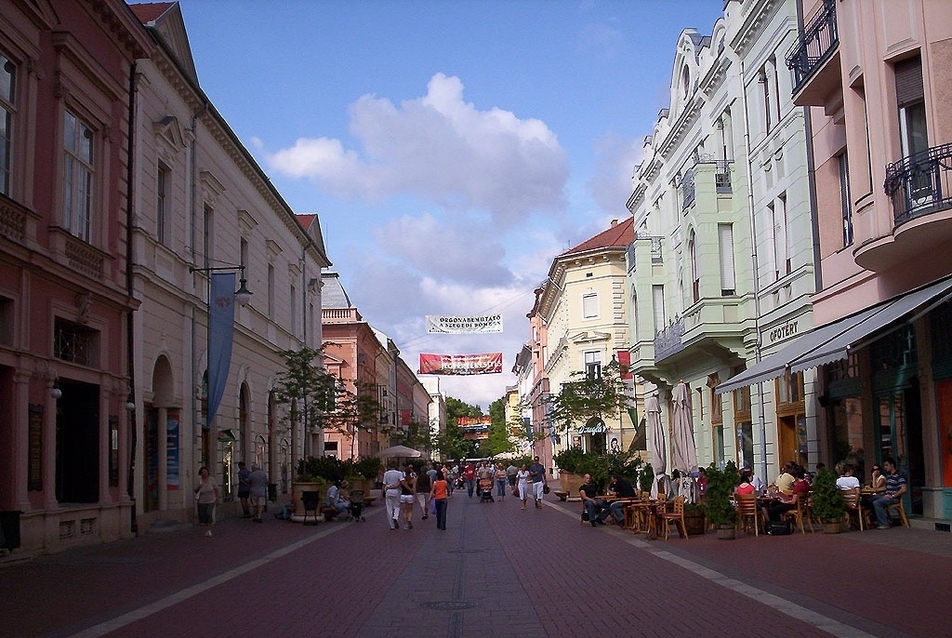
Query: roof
x=151, y=11
x=620, y=235
x=333, y=294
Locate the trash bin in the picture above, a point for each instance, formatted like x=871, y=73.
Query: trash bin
x=10, y=529
x=272, y=492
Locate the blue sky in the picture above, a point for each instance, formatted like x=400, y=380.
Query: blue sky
x=451, y=149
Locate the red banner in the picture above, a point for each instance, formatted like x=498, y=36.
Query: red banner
x=487, y=363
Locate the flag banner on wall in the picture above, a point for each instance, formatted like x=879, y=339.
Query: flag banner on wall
x=487, y=363
x=221, y=329
x=458, y=325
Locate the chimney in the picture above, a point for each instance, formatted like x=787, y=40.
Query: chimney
x=614, y=223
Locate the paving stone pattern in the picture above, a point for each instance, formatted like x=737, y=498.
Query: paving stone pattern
x=495, y=572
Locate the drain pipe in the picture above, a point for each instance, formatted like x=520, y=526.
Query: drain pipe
x=130, y=294
x=755, y=264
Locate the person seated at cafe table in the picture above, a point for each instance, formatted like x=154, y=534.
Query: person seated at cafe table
x=621, y=488
x=786, y=479
x=846, y=480
x=591, y=504
x=785, y=502
x=895, y=488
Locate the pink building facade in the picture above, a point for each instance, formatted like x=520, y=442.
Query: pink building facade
x=65, y=303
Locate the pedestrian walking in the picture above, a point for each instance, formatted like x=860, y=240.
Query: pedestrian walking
x=511, y=474
x=469, y=475
x=537, y=478
x=244, y=490
x=408, y=496
x=423, y=483
x=438, y=493
x=501, y=480
x=522, y=480
x=207, y=496
x=258, y=488
x=392, y=479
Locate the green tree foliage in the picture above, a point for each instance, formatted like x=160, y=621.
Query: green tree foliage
x=320, y=400
x=499, y=441
x=451, y=444
x=587, y=396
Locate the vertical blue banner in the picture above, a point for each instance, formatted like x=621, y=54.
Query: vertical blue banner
x=221, y=328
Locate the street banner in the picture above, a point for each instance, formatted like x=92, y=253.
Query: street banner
x=487, y=363
x=221, y=328
x=458, y=325
x=473, y=420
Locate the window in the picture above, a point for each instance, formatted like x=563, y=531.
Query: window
x=913, y=130
x=725, y=244
x=695, y=277
x=765, y=98
x=593, y=364
x=271, y=291
x=7, y=111
x=208, y=235
x=657, y=301
x=843, y=172
x=161, y=204
x=781, y=256
x=293, y=311
x=6, y=321
x=77, y=175
x=789, y=388
x=74, y=343
x=590, y=305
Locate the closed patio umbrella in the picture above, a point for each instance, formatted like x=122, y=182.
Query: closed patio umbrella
x=683, y=450
x=656, y=437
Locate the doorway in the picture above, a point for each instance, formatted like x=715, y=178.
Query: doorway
x=77, y=443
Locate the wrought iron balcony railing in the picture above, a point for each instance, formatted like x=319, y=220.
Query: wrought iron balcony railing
x=816, y=43
x=687, y=189
x=667, y=341
x=920, y=184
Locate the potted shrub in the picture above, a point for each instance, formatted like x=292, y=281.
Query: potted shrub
x=365, y=471
x=826, y=502
x=694, y=519
x=718, y=507
x=307, y=479
x=571, y=463
x=646, y=478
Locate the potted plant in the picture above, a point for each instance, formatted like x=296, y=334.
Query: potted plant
x=694, y=519
x=307, y=479
x=826, y=502
x=365, y=471
x=718, y=507
x=646, y=478
x=571, y=462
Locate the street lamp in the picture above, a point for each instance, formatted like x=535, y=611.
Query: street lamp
x=222, y=361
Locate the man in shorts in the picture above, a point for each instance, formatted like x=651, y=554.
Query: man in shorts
x=258, y=490
x=243, y=489
x=537, y=481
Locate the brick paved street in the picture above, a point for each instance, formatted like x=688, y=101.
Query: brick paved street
x=496, y=571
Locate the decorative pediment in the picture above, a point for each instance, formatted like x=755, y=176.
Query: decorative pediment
x=589, y=336
x=170, y=130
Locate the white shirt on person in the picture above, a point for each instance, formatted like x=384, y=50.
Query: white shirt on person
x=847, y=482
x=391, y=480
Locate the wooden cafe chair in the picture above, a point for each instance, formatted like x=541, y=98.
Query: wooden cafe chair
x=747, y=513
x=675, y=515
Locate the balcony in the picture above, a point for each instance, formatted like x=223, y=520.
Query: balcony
x=920, y=190
x=667, y=341
x=687, y=189
x=814, y=60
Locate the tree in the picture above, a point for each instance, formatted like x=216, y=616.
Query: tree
x=320, y=400
x=452, y=444
x=499, y=441
x=588, y=396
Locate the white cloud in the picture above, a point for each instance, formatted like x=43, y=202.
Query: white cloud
x=441, y=149
x=610, y=186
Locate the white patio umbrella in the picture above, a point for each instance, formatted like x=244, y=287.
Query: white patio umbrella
x=656, y=437
x=683, y=450
x=399, y=451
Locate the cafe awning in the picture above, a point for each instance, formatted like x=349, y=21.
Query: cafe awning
x=834, y=341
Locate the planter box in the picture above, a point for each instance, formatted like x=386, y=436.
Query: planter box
x=695, y=522
x=726, y=533
x=833, y=528
x=570, y=483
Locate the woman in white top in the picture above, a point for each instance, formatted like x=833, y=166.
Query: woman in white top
x=207, y=494
x=522, y=480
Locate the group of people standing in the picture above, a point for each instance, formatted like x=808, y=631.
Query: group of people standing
x=524, y=482
x=252, y=492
